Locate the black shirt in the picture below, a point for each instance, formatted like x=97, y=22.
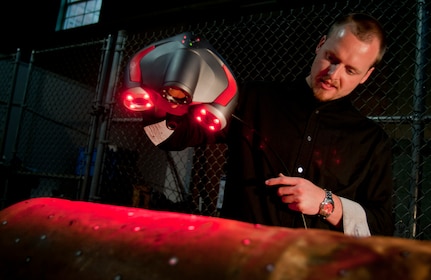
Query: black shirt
x=282, y=128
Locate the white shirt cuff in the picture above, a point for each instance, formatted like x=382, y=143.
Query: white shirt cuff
x=354, y=219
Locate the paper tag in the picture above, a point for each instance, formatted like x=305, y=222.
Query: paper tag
x=158, y=132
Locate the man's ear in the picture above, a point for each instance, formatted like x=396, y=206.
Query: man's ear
x=367, y=75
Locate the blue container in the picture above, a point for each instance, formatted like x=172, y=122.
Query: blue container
x=82, y=158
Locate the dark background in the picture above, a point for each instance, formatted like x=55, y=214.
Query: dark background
x=31, y=24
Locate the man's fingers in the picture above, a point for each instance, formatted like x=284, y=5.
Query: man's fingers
x=282, y=181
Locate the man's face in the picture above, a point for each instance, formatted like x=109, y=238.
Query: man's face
x=342, y=62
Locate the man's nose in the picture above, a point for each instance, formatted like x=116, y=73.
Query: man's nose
x=334, y=69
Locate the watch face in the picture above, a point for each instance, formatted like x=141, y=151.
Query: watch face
x=327, y=207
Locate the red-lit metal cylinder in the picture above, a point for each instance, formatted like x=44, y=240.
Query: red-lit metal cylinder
x=51, y=238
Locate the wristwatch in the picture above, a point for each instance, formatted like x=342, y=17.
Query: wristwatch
x=327, y=205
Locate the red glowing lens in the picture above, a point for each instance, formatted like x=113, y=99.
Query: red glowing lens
x=137, y=99
x=208, y=119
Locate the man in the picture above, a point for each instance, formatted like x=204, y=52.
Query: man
x=300, y=154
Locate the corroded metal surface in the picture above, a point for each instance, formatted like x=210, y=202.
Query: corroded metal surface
x=51, y=238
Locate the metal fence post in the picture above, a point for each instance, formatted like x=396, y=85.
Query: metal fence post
x=98, y=111
x=23, y=106
x=119, y=46
x=9, y=105
x=418, y=116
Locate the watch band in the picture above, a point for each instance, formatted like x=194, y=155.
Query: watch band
x=327, y=205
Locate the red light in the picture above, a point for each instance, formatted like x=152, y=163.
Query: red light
x=208, y=120
x=137, y=99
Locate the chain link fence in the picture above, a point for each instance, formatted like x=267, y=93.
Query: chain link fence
x=49, y=114
x=65, y=132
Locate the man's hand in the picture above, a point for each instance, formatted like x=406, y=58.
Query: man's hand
x=303, y=196
x=300, y=194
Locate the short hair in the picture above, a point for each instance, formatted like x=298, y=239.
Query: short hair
x=365, y=28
